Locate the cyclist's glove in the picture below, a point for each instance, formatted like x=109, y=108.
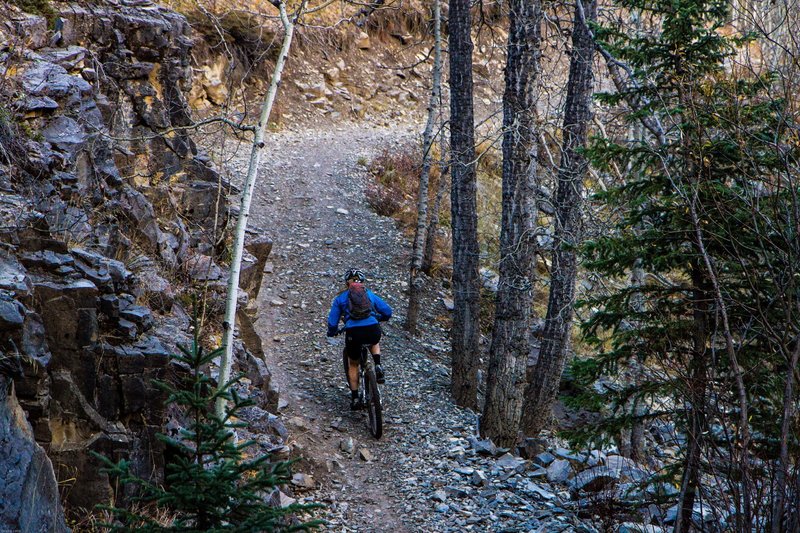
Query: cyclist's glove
x=332, y=331
x=382, y=318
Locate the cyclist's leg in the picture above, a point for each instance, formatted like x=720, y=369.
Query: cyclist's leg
x=375, y=350
x=352, y=349
x=352, y=374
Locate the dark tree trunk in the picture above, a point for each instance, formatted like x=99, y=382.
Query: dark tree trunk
x=698, y=386
x=466, y=288
x=784, y=466
x=543, y=386
x=418, y=252
x=508, y=356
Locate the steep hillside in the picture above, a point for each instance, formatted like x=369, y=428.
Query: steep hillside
x=110, y=218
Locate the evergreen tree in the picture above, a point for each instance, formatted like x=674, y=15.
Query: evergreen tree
x=211, y=484
x=708, y=212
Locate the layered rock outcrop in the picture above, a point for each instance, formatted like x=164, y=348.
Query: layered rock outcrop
x=28, y=495
x=106, y=217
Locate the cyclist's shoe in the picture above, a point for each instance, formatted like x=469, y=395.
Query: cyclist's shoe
x=379, y=375
x=357, y=404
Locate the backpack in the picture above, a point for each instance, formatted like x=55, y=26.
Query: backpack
x=359, y=302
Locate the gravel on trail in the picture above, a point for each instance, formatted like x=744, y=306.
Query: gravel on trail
x=428, y=472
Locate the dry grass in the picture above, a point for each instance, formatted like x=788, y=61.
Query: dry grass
x=99, y=520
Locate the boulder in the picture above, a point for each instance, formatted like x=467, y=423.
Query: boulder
x=530, y=448
x=120, y=276
x=200, y=267
x=303, y=481
x=29, y=498
x=362, y=41
x=48, y=79
x=544, y=459
x=539, y=491
x=635, y=527
x=253, y=361
x=628, y=469
x=34, y=104
x=70, y=57
x=47, y=260
x=479, y=478
x=483, y=446
x=701, y=513
x=252, y=272
x=12, y=313
x=156, y=291
x=509, y=462
x=139, y=315
x=14, y=278
x=595, y=479
x=365, y=455
x=31, y=29
x=559, y=471
x=68, y=310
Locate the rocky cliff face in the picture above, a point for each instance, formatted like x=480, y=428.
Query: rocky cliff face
x=28, y=495
x=108, y=213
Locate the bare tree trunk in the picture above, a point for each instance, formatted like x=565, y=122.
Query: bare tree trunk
x=508, y=355
x=543, y=386
x=465, y=332
x=743, y=446
x=779, y=492
x=433, y=223
x=244, y=208
x=418, y=251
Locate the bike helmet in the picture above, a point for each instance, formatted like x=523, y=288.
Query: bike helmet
x=355, y=274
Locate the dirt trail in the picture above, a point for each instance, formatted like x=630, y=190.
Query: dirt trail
x=311, y=202
x=429, y=472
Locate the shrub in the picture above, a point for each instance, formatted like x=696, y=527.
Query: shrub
x=393, y=190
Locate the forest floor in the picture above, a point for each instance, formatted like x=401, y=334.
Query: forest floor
x=424, y=474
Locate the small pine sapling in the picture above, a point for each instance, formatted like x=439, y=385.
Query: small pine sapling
x=211, y=484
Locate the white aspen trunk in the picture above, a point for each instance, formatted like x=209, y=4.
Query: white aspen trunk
x=422, y=202
x=229, y=323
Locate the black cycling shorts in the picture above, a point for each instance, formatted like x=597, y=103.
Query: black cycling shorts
x=356, y=337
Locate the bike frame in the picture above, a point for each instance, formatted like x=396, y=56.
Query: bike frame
x=368, y=387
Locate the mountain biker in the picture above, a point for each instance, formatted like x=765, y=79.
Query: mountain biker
x=349, y=306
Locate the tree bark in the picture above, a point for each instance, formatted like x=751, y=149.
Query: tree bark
x=465, y=332
x=784, y=467
x=510, y=348
x=418, y=251
x=544, y=380
x=229, y=322
x=698, y=386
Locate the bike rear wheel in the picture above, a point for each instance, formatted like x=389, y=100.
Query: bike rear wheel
x=373, y=399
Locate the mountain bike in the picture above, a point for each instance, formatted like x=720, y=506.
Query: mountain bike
x=368, y=389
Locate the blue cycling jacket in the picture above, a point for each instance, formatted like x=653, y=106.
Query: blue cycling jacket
x=340, y=310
